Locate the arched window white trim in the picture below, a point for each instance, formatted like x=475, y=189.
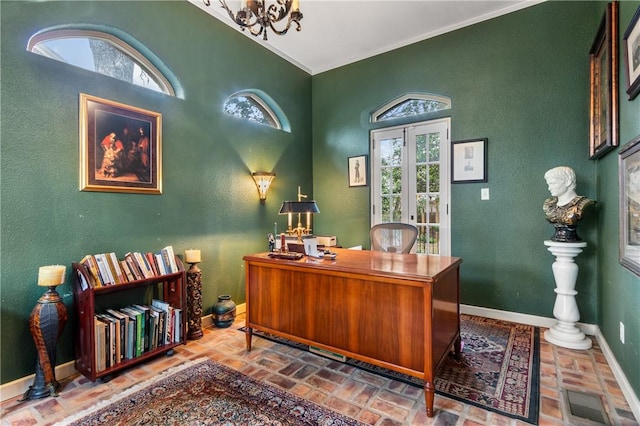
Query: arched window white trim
x=255, y=105
x=73, y=45
x=411, y=104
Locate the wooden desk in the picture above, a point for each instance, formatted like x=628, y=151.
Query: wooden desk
x=397, y=311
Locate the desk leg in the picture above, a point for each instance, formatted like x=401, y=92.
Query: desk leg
x=248, y=333
x=457, y=347
x=429, y=396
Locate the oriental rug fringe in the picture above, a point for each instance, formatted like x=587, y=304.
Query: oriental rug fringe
x=203, y=392
x=498, y=369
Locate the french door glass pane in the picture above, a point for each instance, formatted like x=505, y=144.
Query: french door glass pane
x=391, y=208
x=427, y=187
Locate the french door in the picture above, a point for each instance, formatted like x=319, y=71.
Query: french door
x=410, y=181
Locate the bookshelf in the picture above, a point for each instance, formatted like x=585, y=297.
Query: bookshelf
x=91, y=299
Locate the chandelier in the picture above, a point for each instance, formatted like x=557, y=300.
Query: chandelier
x=255, y=16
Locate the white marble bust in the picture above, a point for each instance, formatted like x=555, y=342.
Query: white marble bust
x=564, y=209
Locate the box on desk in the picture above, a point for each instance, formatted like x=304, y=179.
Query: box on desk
x=327, y=240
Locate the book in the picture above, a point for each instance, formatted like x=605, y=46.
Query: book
x=147, y=325
x=138, y=318
x=124, y=325
x=162, y=268
x=90, y=265
x=170, y=258
x=108, y=343
x=113, y=339
x=133, y=265
x=177, y=331
x=114, y=266
x=161, y=327
x=127, y=272
x=168, y=319
x=143, y=264
x=105, y=272
x=100, y=344
x=151, y=261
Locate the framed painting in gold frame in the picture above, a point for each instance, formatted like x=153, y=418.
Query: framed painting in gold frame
x=120, y=147
x=603, y=110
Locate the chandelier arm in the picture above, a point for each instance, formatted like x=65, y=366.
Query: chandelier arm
x=292, y=20
x=264, y=18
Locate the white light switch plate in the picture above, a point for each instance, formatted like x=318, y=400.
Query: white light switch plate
x=484, y=194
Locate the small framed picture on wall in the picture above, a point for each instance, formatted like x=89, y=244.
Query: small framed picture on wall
x=357, y=168
x=469, y=161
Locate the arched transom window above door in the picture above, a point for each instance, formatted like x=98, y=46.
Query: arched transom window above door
x=411, y=104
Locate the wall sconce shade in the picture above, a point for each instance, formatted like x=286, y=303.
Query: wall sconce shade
x=263, y=181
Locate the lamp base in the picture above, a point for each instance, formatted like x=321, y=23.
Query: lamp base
x=46, y=323
x=40, y=389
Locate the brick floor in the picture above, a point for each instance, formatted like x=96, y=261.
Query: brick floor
x=371, y=399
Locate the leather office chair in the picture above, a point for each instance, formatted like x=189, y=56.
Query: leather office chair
x=393, y=237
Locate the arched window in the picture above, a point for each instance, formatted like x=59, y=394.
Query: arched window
x=106, y=51
x=256, y=106
x=410, y=105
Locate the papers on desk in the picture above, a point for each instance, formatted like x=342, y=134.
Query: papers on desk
x=311, y=247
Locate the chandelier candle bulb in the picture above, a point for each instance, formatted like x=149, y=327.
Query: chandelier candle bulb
x=51, y=275
x=192, y=256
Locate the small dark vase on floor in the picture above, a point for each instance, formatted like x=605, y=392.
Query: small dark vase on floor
x=224, y=311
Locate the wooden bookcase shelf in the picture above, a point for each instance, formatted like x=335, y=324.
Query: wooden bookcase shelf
x=171, y=288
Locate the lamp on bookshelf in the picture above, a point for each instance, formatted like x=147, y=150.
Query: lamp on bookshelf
x=194, y=295
x=46, y=323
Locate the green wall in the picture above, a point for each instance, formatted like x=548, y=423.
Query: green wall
x=522, y=81
x=209, y=200
x=618, y=288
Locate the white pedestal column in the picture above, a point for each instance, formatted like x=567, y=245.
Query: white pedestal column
x=565, y=333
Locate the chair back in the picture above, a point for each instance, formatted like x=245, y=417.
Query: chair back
x=393, y=237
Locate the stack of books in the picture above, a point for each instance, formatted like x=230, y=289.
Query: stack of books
x=126, y=333
x=105, y=269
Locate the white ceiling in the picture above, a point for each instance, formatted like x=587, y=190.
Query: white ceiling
x=339, y=32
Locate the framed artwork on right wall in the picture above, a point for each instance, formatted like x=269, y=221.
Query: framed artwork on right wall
x=603, y=100
x=629, y=169
x=632, y=57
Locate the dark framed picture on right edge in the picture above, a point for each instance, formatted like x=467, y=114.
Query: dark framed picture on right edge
x=629, y=169
x=632, y=57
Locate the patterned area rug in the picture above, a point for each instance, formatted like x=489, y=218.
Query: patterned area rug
x=498, y=370
x=203, y=392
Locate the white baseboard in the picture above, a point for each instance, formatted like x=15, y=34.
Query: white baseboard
x=589, y=329
x=625, y=386
x=20, y=386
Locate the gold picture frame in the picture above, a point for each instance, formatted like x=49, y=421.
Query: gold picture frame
x=603, y=110
x=120, y=147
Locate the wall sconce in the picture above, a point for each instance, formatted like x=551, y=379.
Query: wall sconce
x=263, y=181
x=299, y=207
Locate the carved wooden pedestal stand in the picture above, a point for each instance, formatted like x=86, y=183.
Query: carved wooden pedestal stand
x=46, y=323
x=565, y=333
x=194, y=302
